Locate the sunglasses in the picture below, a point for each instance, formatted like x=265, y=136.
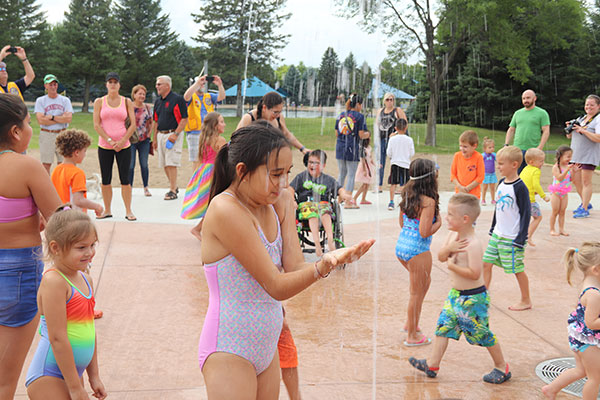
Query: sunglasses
x=389, y=99
x=2, y=68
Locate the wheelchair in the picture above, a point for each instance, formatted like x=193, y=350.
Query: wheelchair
x=304, y=234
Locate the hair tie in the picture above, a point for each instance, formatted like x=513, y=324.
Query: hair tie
x=66, y=208
x=414, y=178
x=576, y=250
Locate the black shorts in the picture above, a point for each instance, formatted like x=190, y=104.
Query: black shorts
x=399, y=175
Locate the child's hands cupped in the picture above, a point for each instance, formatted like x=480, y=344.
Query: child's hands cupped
x=347, y=255
x=98, y=388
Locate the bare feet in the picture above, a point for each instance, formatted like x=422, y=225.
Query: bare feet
x=197, y=232
x=553, y=232
x=547, y=393
x=530, y=242
x=520, y=307
x=564, y=233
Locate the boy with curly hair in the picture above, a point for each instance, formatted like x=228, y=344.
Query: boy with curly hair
x=67, y=177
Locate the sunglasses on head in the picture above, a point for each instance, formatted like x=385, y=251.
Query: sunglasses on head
x=2, y=68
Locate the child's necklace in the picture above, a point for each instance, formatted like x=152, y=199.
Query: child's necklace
x=6, y=151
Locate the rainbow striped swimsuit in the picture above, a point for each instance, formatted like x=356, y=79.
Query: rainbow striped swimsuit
x=80, y=330
x=197, y=191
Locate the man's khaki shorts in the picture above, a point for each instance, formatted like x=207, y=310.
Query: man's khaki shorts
x=169, y=157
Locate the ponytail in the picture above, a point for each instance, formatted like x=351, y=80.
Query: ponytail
x=222, y=175
x=569, y=260
x=584, y=258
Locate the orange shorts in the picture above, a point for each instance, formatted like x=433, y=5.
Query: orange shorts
x=288, y=354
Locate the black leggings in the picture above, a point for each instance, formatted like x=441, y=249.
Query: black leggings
x=106, y=158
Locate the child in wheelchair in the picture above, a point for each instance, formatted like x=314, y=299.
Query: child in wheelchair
x=314, y=192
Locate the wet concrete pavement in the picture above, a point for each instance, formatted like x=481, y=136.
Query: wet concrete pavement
x=348, y=327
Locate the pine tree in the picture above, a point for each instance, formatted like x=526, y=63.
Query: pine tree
x=328, y=77
x=147, y=42
x=223, y=34
x=88, y=44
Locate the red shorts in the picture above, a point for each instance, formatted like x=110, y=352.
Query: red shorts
x=288, y=354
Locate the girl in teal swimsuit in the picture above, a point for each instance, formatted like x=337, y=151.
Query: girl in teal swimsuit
x=419, y=220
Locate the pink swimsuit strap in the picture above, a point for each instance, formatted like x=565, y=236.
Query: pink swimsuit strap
x=16, y=209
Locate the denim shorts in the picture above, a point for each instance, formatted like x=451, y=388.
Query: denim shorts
x=20, y=277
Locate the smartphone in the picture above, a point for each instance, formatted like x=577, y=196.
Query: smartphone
x=12, y=49
x=210, y=79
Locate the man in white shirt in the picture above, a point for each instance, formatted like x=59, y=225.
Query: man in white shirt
x=54, y=113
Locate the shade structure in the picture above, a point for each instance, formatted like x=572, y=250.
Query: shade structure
x=254, y=88
x=384, y=88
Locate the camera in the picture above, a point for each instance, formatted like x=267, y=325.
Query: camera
x=570, y=126
x=210, y=79
x=12, y=49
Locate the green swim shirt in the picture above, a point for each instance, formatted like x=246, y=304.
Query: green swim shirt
x=528, y=125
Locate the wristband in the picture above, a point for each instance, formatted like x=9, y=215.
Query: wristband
x=506, y=145
x=25, y=59
x=302, y=149
x=319, y=272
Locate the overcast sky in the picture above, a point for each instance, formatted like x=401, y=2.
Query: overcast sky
x=313, y=27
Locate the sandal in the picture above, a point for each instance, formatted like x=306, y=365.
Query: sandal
x=130, y=218
x=497, y=377
x=351, y=205
x=367, y=202
x=171, y=195
x=423, y=342
x=421, y=365
x=147, y=192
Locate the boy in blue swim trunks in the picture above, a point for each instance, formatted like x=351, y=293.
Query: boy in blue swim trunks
x=466, y=309
x=315, y=189
x=510, y=224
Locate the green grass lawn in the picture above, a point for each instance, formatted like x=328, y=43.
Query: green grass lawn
x=319, y=133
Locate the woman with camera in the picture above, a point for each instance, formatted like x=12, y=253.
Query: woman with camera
x=585, y=142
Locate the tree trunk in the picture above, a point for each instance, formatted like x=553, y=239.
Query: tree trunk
x=86, y=96
x=238, y=101
x=430, y=140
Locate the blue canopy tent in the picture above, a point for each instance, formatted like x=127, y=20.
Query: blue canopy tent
x=384, y=88
x=255, y=88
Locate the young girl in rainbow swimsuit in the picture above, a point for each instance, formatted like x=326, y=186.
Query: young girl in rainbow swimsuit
x=67, y=345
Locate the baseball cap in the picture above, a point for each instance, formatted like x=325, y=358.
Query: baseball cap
x=50, y=78
x=112, y=75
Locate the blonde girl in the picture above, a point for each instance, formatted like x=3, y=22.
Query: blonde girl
x=489, y=162
x=584, y=324
x=197, y=191
x=560, y=188
x=67, y=345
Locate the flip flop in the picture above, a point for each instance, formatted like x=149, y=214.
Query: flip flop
x=511, y=308
x=104, y=216
x=497, y=377
x=423, y=342
x=421, y=365
x=366, y=202
x=130, y=218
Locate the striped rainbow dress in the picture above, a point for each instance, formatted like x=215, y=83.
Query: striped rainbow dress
x=80, y=330
x=197, y=191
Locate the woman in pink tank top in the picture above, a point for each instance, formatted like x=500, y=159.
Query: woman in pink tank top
x=248, y=239
x=110, y=114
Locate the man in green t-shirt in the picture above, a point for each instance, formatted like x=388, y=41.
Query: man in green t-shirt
x=530, y=126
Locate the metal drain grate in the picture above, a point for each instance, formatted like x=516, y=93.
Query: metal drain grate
x=550, y=369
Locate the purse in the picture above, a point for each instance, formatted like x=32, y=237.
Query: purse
x=134, y=138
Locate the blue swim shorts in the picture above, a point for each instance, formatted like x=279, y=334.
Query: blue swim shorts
x=20, y=277
x=490, y=178
x=466, y=311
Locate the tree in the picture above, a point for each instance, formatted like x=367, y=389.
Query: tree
x=147, y=42
x=507, y=27
x=230, y=30
x=87, y=41
x=328, y=77
x=291, y=83
x=23, y=24
x=350, y=66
